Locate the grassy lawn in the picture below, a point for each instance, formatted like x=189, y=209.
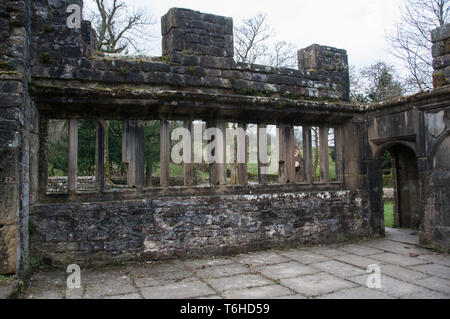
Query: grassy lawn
x=389, y=214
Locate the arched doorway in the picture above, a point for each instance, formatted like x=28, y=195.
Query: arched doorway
x=406, y=187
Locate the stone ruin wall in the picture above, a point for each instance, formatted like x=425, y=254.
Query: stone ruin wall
x=197, y=72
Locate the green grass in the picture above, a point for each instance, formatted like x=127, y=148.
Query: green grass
x=389, y=214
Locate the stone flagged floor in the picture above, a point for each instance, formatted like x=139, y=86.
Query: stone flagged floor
x=332, y=272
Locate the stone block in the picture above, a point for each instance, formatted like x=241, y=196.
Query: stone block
x=441, y=62
x=438, y=49
x=9, y=166
x=8, y=204
x=441, y=33
x=9, y=243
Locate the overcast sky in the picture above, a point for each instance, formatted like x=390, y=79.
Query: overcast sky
x=358, y=26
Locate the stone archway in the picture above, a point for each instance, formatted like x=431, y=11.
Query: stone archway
x=407, y=208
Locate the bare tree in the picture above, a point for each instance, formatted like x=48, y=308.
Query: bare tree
x=411, y=40
x=283, y=55
x=250, y=39
x=119, y=28
x=375, y=83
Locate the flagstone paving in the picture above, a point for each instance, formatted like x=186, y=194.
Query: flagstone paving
x=340, y=271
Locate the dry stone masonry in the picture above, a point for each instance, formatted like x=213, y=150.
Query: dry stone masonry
x=51, y=71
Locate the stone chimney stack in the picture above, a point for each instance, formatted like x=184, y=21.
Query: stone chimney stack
x=188, y=34
x=328, y=62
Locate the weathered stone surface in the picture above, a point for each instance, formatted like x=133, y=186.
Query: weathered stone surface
x=192, y=226
x=179, y=279
x=45, y=65
x=339, y=268
x=391, y=286
x=304, y=256
x=317, y=284
x=266, y=292
x=237, y=282
x=434, y=270
x=9, y=243
x=357, y=293
x=286, y=270
x=178, y=291
x=441, y=33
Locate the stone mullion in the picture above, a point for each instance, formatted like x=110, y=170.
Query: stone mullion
x=43, y=156
x=164, y=153
x=324, y=156
x=262, y=150
x=188, y=147
x=100, y=156
x=243, y=167
x=72, y=171
x=307, y=154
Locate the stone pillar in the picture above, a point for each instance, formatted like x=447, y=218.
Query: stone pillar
x=188, y=156
x=441, y=55
x=243, y=167
x=324, y=155
x=287, y=153
x=262, y=153
x=221, y=166
x=100, y=156
x=217, y=170
x=339, y=144
x=43, y=156
x=307, y=154
x=164, y=153
x=72, y=170
x=133, y=152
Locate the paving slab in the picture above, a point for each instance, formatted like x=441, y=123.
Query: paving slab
x=178, y=291
x=296, y=296
x=437, y=259
x=357, y=293
x=360, y=250
x=265, y=292
x=305, y=256
x=434, y=270
x=238, y=282
x=427, y=294
x=120, y=297
x=409, y=236
x=110, y=287
x=358, y=261
x=317, y=284
x=339, y=269
x=45, y=294
x=396, y=247
x=209, y=262
x=328, y=251
x=158, y=280
x=402, y=273
x=391, y=286
x=258, y=259
x=286, y=270
x=435, y=283
x=399, y=260
x=222, y=271
x=213, y=297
